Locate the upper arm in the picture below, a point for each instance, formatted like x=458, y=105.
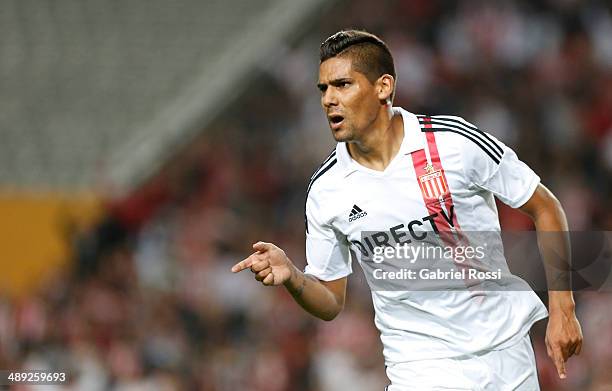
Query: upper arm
x=542, y=202
x=537, y=202
x=327, y=250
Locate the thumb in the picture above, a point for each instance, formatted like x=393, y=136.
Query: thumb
x=262, y=246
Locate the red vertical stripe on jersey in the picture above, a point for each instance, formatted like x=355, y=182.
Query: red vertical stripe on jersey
x=446, y=231
x=435, y=161
x=419, y=160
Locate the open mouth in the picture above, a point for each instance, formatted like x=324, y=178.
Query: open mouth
x=335, y=120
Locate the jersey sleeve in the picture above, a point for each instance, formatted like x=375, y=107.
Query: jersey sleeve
x=492, y=166
x=327, y=251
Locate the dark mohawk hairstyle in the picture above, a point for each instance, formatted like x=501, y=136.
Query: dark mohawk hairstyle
x=369, y=54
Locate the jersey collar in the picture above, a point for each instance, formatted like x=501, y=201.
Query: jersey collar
x=412, y=141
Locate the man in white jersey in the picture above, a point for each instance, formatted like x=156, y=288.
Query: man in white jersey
x=396, y=177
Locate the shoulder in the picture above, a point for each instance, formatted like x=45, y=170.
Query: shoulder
x=323, y=182
x=324, y=177
x=457, y=133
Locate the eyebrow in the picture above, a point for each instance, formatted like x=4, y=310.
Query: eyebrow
x=334, y=82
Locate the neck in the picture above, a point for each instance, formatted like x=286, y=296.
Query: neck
x=380, y=142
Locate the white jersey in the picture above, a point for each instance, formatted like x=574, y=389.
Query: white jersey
x=446, y=173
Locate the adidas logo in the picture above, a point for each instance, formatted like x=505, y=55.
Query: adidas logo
x=356, y=213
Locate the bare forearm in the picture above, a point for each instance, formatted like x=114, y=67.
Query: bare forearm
x=312, y=295
x=554, y=244
x=553, y=241
x=563, y=333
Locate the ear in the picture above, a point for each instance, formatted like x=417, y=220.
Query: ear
x=385, y=85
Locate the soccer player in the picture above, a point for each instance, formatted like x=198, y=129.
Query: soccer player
x=396, y=172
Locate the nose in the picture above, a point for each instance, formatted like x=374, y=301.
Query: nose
x=329, y=98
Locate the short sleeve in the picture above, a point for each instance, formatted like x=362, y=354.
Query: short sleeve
x=327, y=251
x=492, y=166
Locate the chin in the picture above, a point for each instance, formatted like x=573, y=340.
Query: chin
x=342, y=135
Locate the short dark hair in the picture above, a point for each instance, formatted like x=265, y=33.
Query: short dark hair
x=370, y=55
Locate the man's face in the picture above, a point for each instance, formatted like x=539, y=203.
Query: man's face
x=349, y=99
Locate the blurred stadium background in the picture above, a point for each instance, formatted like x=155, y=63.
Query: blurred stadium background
x=146, y=145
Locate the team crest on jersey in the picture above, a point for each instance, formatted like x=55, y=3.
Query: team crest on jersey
x=433, y=185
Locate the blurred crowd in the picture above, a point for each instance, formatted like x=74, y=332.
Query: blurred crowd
x=149, y=302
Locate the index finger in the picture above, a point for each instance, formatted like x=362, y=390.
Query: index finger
x=244, y=264
x=559, y=362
